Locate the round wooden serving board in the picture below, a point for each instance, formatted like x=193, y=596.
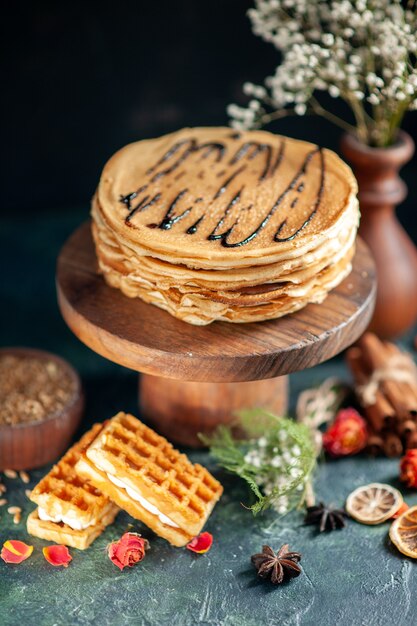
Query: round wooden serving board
x=196, y=377
x=144, y=338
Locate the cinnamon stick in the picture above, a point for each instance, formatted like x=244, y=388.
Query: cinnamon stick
x=375, y=445
x=406, y=427
x=392, y=418
x=411, y=440
x=375, y=356
x=409, y=391
x=380, y=413
x=392, y=445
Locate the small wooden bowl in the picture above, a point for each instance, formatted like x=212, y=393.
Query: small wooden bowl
x=33, y=444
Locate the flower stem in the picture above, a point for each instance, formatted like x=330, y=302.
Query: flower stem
x=319, y=110
x=267, y=118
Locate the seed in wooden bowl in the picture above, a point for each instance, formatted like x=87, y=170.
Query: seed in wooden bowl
x=32, y=388
x=3, y=501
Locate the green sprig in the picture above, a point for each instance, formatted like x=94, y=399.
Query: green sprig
x=276, y=459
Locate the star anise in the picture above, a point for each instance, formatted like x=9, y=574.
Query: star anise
x=280, y=566
x=325, y=518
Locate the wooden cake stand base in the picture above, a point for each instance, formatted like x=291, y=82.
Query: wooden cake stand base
x=196, y=377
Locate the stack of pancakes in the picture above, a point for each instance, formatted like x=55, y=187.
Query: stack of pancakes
x=211, y=224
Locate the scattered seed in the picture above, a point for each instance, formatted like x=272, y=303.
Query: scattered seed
x=13, y=510
x=24, y=476
x=28, y=493
x=10, y=473
x=16, y=518
x=2, y=488
x=3, y=501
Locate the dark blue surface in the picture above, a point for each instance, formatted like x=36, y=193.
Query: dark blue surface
x=350, y=577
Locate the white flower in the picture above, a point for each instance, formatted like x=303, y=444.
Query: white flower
x=328, y=39
x=262, y=442
x=355, y=59
x=283, y=435
x=248, y=88
x=296, y=450
x=373, y=99
x=300, y=108
x=330, y=46
x=281, y=505
x=282, y=509
x=254, y=105
x=287, y=456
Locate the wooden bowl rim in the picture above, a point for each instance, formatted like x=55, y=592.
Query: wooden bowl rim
x=45, y=355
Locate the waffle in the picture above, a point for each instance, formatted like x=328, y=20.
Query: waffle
x=64, y=534
x=172, y=496
x=64, y=495
x=191, y=220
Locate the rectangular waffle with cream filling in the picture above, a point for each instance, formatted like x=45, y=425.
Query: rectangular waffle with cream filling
x=70, y=510
x=147, y=477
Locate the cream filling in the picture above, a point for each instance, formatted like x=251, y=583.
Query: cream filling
x=135, y=495
x=69, y=520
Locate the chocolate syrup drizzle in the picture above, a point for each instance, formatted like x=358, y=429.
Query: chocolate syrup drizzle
x=181, y=150
x=127, y=200
x=227, y=182
x=220, y=223
x=170, y=219
x=277, y=205
x=316, y=204
x=251, y=149
x=191, y=147
x=142, y=206
x=193, y=228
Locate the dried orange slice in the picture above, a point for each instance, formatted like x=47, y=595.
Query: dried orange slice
x=403, y=532
x=374, y=503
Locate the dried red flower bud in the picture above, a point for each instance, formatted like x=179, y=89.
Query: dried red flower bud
x=347, y=435
x=201, y=544
x=408, y=468
x=15, y=551
x=57, y=555
x=128, y=550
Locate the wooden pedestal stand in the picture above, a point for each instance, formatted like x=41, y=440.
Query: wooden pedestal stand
x=195, y=377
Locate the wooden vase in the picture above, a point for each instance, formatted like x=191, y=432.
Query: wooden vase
x=380, y=190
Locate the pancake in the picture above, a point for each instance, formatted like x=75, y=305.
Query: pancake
x=207, y=223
